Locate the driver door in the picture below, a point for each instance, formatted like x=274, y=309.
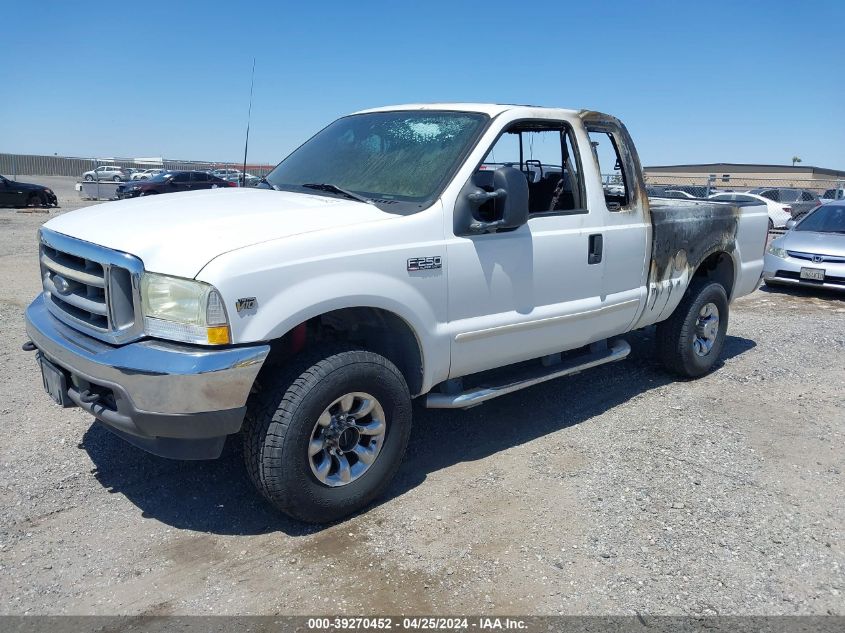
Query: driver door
x=7, y=193
x=181, y=181
x=528, y=292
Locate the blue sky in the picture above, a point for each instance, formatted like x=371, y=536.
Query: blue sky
x=694, y=82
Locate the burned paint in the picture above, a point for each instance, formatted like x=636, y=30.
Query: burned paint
x=690, y=231
x=685, y=234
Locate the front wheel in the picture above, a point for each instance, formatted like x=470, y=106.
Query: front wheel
x=324, y=436
x=690, y=341
x=89, y=178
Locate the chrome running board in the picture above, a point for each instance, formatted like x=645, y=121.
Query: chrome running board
x=617, y=350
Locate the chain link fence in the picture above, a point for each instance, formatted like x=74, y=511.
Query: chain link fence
x=33, y=165
x=790, y=189
x=795, y=196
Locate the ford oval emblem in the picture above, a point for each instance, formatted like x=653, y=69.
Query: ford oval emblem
x=61, y=284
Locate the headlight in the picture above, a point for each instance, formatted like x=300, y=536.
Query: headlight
x=183, y=310
x=777, y=251
x=135, y=187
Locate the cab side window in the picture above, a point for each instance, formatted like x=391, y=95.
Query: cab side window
x=545, y=153
x=615, y=181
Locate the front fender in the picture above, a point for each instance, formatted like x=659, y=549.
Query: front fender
x=299, y=279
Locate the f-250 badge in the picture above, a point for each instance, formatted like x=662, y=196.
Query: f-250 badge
x=245, y=303
x=424, y=263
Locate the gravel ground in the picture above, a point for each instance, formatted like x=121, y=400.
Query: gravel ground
x=616, y=491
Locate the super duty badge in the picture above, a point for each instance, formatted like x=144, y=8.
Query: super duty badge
x=424, y=263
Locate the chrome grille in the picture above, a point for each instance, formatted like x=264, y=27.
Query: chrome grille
x=813, y=257
x=92, y=288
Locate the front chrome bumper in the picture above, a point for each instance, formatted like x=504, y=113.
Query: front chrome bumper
x=173, y=400
x=787, y=271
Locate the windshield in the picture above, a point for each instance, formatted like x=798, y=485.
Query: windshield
x=160, y=177
x=828, y=218
x=390, y=157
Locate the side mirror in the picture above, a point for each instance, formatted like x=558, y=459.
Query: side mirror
x=510, y=200
x=790, y=224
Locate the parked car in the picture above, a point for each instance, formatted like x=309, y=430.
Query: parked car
x=779, y=214
x=238, y=177
x=694, y=191
x=249, y=180
x=380, y=264
x=678, y=194
x=146, y=174
x=107, y=172
x=800, y=201
x=25, y=194
x=812, y=253
x=226, y=174
x=171, y=182
x=833, y=194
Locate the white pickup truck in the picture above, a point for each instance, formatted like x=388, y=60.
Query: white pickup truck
x=452, y=253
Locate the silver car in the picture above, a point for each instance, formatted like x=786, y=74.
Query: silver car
x=812, y=253
x=106, y=172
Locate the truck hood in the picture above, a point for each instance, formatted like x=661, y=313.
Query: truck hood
x=179, y=233
x=816, y=243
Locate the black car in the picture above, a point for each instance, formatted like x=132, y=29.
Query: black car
x=25, y=194
x=170, y=182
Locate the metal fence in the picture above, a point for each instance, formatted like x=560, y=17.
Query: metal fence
x=34, y=165
x=705, y=186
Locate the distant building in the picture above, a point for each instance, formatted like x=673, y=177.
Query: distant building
x=750, y=175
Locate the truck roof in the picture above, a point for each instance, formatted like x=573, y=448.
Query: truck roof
x=492, y=109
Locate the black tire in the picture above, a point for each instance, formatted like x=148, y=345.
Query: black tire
x=116, y=179
x=676, y=335
x=35, y=200
x=282, y=415
x=89, y=178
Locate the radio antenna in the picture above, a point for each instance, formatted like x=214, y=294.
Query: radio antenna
x=248, y=117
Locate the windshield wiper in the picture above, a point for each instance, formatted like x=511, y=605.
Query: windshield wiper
x=326, y=186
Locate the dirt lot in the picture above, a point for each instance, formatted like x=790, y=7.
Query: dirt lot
x=618, y=490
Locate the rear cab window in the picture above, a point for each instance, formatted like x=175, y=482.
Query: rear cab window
x=616, y=180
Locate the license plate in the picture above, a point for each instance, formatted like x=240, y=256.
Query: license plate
x=813, y=274
x=55, y=383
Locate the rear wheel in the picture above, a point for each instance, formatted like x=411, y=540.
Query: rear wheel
x=690, y=341
x=116, y=179
x=325, y=436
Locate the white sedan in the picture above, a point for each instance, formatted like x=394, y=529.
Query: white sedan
x=146, y=174
x=779, y=214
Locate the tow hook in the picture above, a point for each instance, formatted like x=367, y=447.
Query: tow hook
x=88, y=397
x=29, y=346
